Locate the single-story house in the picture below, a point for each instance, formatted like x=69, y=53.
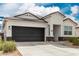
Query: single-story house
x=29, y=27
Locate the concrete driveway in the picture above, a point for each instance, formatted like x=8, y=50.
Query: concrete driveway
x=45, y=49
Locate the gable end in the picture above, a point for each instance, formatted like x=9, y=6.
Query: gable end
x=27, y=15
x=53, y=13
x=70, y=20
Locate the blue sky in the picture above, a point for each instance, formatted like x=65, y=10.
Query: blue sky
x=69, y=9
x=65, y=8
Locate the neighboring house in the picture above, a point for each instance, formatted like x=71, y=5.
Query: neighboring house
x=1, y=33
x=1, y=25
x=29, y=27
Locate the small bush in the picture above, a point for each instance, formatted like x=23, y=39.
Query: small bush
x=10, y=39
x=0, y=47
x=71, y=39
x=1, y=41
x=74, y=40
x=1, y=44
x=9, y=46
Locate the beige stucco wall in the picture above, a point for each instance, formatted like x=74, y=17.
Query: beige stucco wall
x=69, y=23
x=77, y=32
x=55, y=19
x=25, y=24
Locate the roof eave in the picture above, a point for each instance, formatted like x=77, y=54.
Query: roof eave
x=71, y=20
x=52, y=13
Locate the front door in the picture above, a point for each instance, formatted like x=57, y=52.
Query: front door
x=56, y=31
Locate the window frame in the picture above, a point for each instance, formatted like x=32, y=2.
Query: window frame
x=49, y=30
x=68, y=30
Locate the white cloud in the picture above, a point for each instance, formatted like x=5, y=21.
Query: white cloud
x=8, y=9
x=38, y=10
x=74, y=10
x=69, y=16
x=42, y=10
x=5, y=15
x=0, y=22
x=24, y=7
x=10, y=5
x=72, y=18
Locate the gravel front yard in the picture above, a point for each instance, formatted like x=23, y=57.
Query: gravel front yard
x=15, y=53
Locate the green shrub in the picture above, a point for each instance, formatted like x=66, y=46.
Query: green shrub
x=0, y=47
x=9, y=39
x=1, y=44
x=1, y=41
x=71, y=39
x=9, y=46
x=74, y=40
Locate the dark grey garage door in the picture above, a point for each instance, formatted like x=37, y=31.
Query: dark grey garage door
x=27, y=34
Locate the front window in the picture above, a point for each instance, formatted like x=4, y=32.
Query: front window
x=67, y=30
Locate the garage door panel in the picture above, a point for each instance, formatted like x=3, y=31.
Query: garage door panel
x=27, y=33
